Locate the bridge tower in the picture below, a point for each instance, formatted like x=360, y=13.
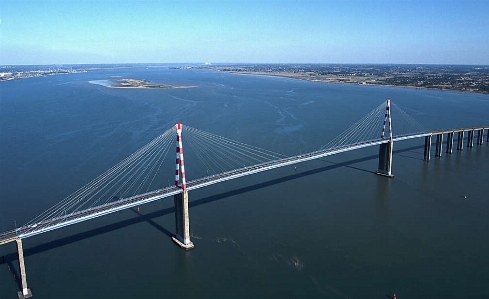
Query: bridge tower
x=182, y=237
x=385, y=151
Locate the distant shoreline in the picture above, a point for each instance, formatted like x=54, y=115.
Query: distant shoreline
x=347, y=81
x=343, y=82
x=462, y=78
x=473, y=79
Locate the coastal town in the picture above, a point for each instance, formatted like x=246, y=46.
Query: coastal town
x=16, y=72
x=443, y=77
x=8, y=73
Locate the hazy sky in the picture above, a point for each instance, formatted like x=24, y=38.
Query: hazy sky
x=321, y=31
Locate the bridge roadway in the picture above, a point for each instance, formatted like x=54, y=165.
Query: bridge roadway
x=80, y=216
x=458, y=130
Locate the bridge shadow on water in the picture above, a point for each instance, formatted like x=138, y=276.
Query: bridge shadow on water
x=150, y=216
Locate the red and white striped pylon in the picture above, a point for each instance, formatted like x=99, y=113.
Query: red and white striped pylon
x=179, y=165
x=387, y=117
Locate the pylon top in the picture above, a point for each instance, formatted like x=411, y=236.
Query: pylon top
x=387, y=118
x=179, y=165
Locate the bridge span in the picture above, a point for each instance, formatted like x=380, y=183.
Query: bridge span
x=180, y=191
x=126, y=203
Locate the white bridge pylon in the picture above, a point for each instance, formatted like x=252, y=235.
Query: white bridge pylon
x=182, y=222
x=385, y=150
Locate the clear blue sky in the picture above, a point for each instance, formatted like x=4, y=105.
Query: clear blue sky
x=320, y=31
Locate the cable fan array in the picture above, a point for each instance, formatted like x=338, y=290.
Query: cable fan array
x=138, y=173
x=208, y=154
x=150, y=166
x=369, y=127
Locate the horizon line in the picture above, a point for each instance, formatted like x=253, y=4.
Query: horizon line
x=248, y=63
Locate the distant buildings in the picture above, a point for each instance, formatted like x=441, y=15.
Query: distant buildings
x=12, y=73
x=444, y=77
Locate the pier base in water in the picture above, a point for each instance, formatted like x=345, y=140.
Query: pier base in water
x=480, y=136
x=460, y=144
x=385, y=160
x=384, y=174
x=450, y=142
x=439, y=145
x=26, y=292
x=182, y=237
x=427, y=148
x=470, y=139
x=190, y=245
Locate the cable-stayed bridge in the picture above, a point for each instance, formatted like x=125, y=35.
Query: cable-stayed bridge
x=212, y=159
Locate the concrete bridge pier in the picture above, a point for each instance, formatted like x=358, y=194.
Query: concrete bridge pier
x=427, y=148
x=26, y=292
x=439, y=145
x=182, y=237
x=480, y=136
x=487, y=140
x=385, y=159
x=460, y=143
x=450, y=142
x=470, y=139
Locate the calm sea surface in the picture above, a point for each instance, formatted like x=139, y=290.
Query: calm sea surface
x=330, y=229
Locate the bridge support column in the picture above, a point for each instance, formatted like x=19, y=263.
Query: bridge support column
x=26, y=292
x=450, y=142
x=385, y=159
x=182, y=237
x=487, y=140
x=439, y=145
x=480, y=137
x=460, y=142
x=470, y=140
x=427, y=148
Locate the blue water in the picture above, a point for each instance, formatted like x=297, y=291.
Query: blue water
x=331, y=229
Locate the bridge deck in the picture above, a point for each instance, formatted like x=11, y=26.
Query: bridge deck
x=458, y=130
x=80, y=216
